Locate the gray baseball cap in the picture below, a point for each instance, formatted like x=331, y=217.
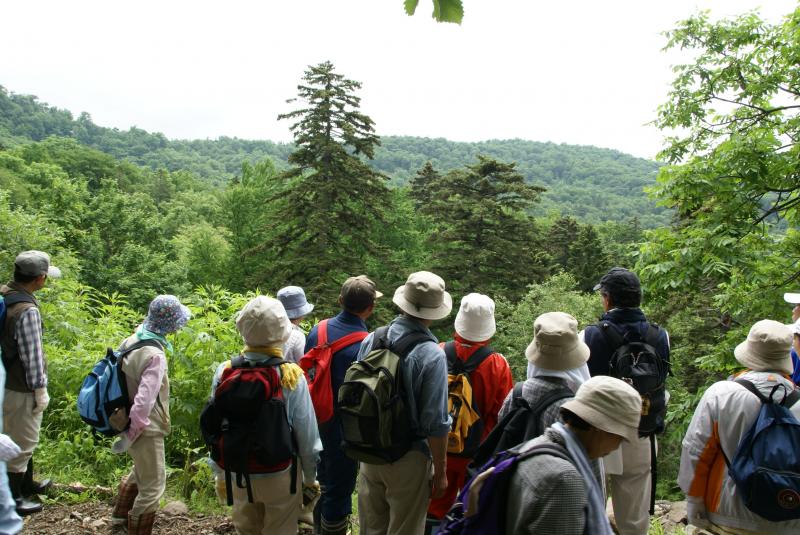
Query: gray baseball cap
x=34, y=264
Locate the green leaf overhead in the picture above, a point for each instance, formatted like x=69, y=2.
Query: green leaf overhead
x=443, y=10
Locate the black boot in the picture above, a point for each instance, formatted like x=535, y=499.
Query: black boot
x=31, y=487
x=24, y=506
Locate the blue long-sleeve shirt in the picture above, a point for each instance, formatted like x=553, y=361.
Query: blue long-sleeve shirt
x=424, y=376
x=796, y=364
x=340, y=325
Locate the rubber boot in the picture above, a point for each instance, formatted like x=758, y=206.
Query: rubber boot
x=337, y=527
x=126, y=494
x=31, y=487
x=142, y=524
x=25, y=506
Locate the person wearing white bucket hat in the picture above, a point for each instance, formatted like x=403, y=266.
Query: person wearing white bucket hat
x=393, y=498
x=724, y=415
x=562, y=494
x=488, y=376
x=297, y=307
x=26, y=395
x=265, y=327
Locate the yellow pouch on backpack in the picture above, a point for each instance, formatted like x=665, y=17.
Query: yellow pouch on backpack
x=459, y=405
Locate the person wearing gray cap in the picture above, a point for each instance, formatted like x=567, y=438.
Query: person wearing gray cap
x=724, y=415
x=561, y=494
x=26, y=395
x=393, y=498
x=630, y=468
x=297, y=307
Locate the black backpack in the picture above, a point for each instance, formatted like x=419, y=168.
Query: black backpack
x=246, y=426
x=520, y=424
x=636, y=361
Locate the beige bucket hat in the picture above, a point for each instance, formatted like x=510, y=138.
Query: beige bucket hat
x=263, y=323
x=555, y=345
x=766, y=348
x=475, y=318
x=423, y=296
x=610, y=405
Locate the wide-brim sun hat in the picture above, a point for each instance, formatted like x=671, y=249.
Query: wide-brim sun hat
x=556, y=345
x=263, y=323
x=166, y=314
x=294, y=301
x=475, y=318
x=766, y=348
x=792, y=298
x=610, y=405
x=423, y=296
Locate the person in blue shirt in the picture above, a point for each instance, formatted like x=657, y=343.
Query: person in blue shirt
x=337, y=472
x=794, y=299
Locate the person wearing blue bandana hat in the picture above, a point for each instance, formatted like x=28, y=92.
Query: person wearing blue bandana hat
x=794, y=299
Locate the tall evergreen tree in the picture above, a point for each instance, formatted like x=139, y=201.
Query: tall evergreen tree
x=332, y=203
x=485, y=239
x=421, y=185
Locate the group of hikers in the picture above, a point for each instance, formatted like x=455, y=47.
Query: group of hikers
x=433, y=437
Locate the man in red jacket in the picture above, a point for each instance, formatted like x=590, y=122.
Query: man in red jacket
x=490, y=381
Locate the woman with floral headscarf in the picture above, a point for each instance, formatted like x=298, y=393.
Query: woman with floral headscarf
x=145, y=369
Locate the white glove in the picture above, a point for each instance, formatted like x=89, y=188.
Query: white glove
x=696, y=512
x=121, y=445
x=42, y=399
x=8, y=448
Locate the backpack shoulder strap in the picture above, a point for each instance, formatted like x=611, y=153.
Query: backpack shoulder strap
x=322, y=333
x=752, y=388
x=238, y=362
x=140, y=344
x=791, y=399
x=347, y=340
x=653, y=334
x=406, y=343
x=516, y=395
x=380, y=339
x=543, y=404
x=477, y=358
x=451, y=355
x=18, y=297
x=611, y=334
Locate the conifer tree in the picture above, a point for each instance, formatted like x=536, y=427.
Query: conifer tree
x=332, y=203
x=421, y=184
x=485, y=240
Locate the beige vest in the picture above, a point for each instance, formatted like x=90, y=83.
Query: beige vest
x=133, y=366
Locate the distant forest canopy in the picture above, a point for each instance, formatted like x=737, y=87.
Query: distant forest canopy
x=589, y=183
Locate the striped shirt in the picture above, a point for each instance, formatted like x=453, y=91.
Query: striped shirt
x=29, y=341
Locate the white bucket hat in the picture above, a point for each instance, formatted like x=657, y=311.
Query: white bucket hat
x=555, y=345
x=766, y=348
x=792, y=298
x=610, y=405
x=263, y=323
x=475, y=318
x=423, y=296
x=294, y=301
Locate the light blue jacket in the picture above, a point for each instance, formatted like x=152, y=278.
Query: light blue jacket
x=10, y=522
x=302, y=420
x=425, y=380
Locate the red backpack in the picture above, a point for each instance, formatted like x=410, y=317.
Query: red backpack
x=317, y=366
x=246, y=426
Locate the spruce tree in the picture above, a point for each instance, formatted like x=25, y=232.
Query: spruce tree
x=332, y=203
x=485, y=240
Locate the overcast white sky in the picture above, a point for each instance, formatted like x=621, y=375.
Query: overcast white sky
x=582, y=72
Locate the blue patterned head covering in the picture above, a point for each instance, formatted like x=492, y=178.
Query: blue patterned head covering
x=166, y=315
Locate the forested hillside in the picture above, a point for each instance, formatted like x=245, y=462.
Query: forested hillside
x=589, y=183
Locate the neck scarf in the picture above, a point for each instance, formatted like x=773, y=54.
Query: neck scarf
x=596, y=518
x=144, y=334
x=574, y=377
x=290, y=372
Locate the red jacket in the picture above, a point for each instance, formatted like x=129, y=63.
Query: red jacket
x=491, y=382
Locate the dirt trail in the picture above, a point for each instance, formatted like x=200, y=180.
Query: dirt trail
x=94, y=517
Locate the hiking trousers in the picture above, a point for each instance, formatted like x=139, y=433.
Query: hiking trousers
x=630, y=487
x=393, y=498
x=149, y=473
x=274, y=510
x=22, y=426
x=336, y=473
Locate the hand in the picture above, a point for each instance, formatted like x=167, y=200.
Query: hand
x=8, y=448
x=310, y=493
x=439, y=484
x=121, y=445
x=41, y=400
x=696, y=512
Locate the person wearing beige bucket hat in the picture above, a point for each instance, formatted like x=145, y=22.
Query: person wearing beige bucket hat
x=562, y=494
x=393, y=497
x=724, y=415
x=470, y=358
x=265, y=327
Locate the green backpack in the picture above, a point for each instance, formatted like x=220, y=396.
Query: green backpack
x=376, y=427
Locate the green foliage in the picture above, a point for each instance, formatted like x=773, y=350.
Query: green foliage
x=443, y=10
x=515, y=320
x=577, y=249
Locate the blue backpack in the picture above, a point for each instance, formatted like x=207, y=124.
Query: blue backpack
x=486, y=494
x=766, y=467
x=103, y=399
